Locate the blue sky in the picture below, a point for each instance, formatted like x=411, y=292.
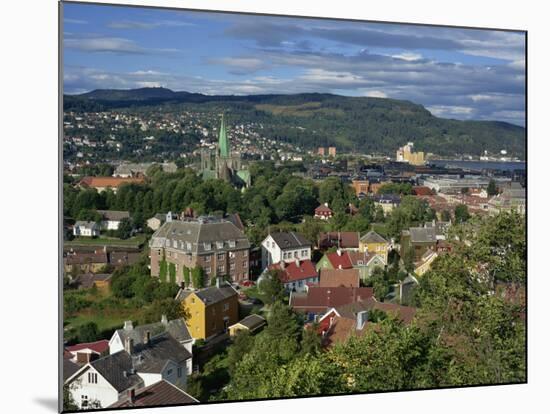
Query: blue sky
x=454, y=73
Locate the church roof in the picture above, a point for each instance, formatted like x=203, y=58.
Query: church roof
x=223, y=143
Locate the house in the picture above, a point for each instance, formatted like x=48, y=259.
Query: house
x=317, y=300
x=158, y=394
x=89, y=280
x=296, y=275
x=88, y=351
x=345, y=240
x=104, y=381
x=159, y=219
x=110, y=219
x=124, y=258
x=511, y=199
x=103, y=183
x=366, y=263
x=85, y=261
x=406, y=288
x=284, y=247
x=140, y=334
x=419, y=239
x=340, y=323
x=360, y=186
x=323, y=212
x=387, y=202
x=213, y=243
x=425, y=262
x=329, y=278
x=211, y=310
x=335, y=260
x=69, y=368
x=374, y=243
x=420, y=190
x=251, y=323
x=86, y=229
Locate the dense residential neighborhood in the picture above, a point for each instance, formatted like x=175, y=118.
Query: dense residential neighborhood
x=181, y=287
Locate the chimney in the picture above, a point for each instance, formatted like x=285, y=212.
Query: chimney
x=128, y=325
x=361, y=319
x=131, y=395
x=164, y=320
x=326, y=204
x=129, y=345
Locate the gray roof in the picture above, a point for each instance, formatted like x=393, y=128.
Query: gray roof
x=116, y=369
x=290, y=240
x=209, y=295
x=176, y=328
x=423, y=234
x=86, y=224
x=252, y=322
x=69, y=368
x=373, y=237
x=113, y=215
x=200, y=236
x=152, y=358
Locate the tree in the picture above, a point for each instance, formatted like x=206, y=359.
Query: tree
x=172, y=273
x=125, y=229
x=243, y=342
x=311, y=340
x=445, y=215
x=186, y=276
x=492, y=189
x=88, y=332
x=461, y=213
x=197, y=277
x=169, y=307
x=271, y=288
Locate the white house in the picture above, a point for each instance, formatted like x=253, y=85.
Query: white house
x=110, y=219
x=176, y=328
x=285, y=247
x=86, y=229
x=104, y=381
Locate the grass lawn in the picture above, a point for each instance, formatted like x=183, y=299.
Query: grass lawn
x=135, y=241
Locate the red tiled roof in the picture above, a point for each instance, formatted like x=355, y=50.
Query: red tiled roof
x=159, y=393
x=100, y=182
x=339, y=261
x=98, y=346
x=421, y=191
x=339, y=277
x=290, y=272
x=319, y=299
x=356, y=257
x=323, y=209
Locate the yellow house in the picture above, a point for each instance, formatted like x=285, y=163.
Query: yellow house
x=425, y=262
x=373, y=243
x=210, y=311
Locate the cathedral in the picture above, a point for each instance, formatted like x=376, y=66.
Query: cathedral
x=222, y=164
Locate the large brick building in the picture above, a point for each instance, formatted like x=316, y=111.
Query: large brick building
x=214, y=244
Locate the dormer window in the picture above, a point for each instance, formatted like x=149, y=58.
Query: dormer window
x=231, y=243
x=219, y=245
x=188, y=245
x=207, y=246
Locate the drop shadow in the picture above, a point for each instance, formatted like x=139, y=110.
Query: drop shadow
x=49, y=403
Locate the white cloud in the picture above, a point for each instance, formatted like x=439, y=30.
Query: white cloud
x=407, y=56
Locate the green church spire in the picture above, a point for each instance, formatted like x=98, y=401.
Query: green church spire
x=223, y=143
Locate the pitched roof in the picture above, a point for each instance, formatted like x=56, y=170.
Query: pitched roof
x=117, y=370
x=290, y=272
x=101, y=182
x=342, y=239
x=200, y=235
x=209, y=295
x=320, y=298
x=86, y=224
x=86, y=280
x=159, y=393
x=339, y=277
x=373, y=237
x=423, y=234
x=176, y=328
x=235, y=218
x=339, y=260
x=113, y=215
x=69, y=369
x=323, y=209
x=252, y=321
x=124, y=258
x=97, y=346
x=364, y=258
x=290, y=240
x=86, y=258
x=422, y=190
x=152, y=357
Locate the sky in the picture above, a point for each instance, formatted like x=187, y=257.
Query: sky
x=454, y=73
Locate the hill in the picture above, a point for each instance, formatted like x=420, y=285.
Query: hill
x=313, y=119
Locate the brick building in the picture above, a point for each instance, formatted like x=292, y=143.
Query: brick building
x=214, y=244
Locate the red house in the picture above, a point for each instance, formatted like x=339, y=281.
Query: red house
x=323, y=212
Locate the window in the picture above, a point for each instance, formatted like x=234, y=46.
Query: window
x=84, y=401
x=221, y=269
x=207, y=258
x=245, y=263
x=231, y=243
x=232, y=266
x=188, y=246
x=221, y=256
x=179, y=372
x=92, y=377
x=169, y=372
x=225, y=307
x=219, y=244
x=245, y=253
x=207, y=246
x=207, y=270
x=231, y=255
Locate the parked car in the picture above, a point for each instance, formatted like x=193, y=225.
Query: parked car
x=248, y=283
